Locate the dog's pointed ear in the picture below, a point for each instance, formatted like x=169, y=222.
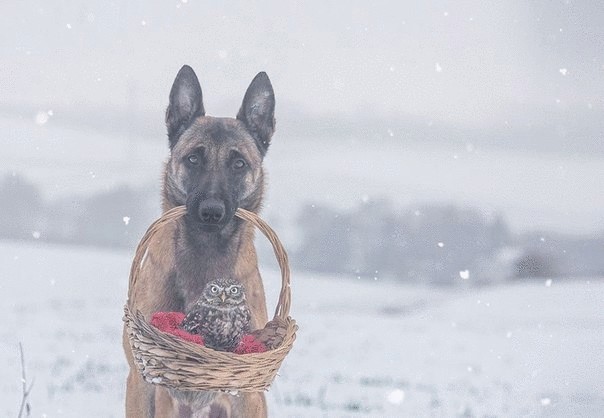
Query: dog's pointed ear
x=186, y=103
x=258, y=111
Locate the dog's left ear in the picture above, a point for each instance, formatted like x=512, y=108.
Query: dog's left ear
x=258, y=111
x=186, y=103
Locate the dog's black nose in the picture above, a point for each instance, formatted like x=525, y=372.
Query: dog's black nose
x=211, y=211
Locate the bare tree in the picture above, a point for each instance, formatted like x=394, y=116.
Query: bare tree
x=25, y=409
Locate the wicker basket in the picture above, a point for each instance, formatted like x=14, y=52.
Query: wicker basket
x=170, y=361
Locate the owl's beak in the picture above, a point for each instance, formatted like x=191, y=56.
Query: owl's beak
x=223, y=297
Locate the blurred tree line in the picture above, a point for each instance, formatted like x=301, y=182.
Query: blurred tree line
x=435, y=244
x=116, y=218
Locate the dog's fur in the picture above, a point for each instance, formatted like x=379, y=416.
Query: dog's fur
x=215, y=166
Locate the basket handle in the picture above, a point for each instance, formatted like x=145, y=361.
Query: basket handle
x=284, y=303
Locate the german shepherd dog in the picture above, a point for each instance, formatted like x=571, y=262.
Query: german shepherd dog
x=215, y=167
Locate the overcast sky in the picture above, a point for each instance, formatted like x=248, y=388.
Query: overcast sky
x=473, y=62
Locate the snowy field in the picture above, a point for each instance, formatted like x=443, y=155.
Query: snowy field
x=364, y=348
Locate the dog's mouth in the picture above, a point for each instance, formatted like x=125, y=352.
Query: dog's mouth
x=211, y=228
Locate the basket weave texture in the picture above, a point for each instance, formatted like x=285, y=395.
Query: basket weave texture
x=167, y=360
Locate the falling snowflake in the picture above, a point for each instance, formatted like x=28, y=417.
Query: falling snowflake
x=563, y=71
x=548, y=283
x=42, y=117
x=464, y=274
x=126, y=220
x=441, y=244
x=396, y=396
x=438, y=68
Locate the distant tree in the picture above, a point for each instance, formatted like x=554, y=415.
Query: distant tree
x=534, y=264
x=374, y=231
x=21, y=206
x=115, y=218
x=433, y=243
x=326, y=244
x=444, y=240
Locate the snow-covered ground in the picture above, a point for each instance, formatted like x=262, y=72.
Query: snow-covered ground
x=363, y=349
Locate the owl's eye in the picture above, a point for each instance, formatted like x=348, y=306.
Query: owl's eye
x=234, y=290
x=214, y=290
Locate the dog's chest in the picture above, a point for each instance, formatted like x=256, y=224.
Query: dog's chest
x=191, y=281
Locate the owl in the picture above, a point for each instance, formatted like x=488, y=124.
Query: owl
x=220, y=315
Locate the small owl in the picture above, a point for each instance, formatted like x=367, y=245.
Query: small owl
x=220, y=315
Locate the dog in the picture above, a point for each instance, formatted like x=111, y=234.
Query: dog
x=214, y=167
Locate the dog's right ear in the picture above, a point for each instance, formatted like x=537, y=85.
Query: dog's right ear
x=258, y=110
x=186, y=103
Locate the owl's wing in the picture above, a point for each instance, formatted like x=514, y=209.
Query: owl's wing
x=192, y=322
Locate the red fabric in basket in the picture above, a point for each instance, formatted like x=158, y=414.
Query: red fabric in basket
x=169, y=322
x=249, y=344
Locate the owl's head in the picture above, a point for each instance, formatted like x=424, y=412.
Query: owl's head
x=224, y=292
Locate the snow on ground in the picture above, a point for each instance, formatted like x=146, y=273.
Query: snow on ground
x=363, y=349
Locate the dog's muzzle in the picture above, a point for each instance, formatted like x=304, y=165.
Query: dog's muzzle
x=211, y=213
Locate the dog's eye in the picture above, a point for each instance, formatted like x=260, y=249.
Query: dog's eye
x=239, y=163
x=193, y=159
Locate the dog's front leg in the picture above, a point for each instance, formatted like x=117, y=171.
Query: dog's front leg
x=140, y=396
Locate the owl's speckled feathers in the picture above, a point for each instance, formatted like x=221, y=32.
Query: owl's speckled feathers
x=220, y=315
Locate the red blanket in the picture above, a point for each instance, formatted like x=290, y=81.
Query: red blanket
x=169, y=322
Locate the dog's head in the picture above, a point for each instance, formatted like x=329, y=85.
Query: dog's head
x=215, y=164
